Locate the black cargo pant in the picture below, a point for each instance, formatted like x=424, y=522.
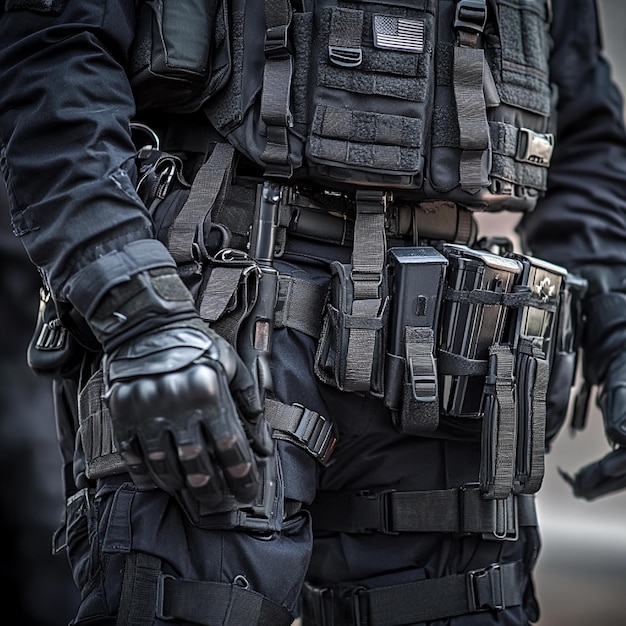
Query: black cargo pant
x=116, y=520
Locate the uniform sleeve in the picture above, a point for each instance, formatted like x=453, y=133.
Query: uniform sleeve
x=582, y=219
x=66, y=150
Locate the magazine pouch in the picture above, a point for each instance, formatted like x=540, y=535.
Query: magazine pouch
x=416, y=279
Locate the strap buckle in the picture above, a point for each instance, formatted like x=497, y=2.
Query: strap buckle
x=471, y=15
x=276, y=42
x=485, y=589
x=160, y=597
x=316, y=433
x=382, y=521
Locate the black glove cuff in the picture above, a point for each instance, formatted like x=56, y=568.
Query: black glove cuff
x=149, y=300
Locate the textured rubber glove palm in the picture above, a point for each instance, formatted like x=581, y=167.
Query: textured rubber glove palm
x=186, y=413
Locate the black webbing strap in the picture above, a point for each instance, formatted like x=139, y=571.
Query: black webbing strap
x=368, y=264
x=422, y=391
x=534, y=426
x=497, y=472
x=344, y=38
x=300, y=305
x=147, y=593
x=208, y=186
x=495, y=587
x=469, y=62
x=276, y=90
x=461, y=510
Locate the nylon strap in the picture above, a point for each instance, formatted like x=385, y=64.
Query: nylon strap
x=538, y=421
x=147, y=593
x=462, y=510
x=496, y=587
x=497, y=470
x=422, y=388
x=138, y=599
x=207, y=187
x=217, y=604
x=368, y=265
x=276, y=89
x=469, y=61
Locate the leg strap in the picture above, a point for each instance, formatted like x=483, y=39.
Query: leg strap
x=495, y=587
x=460, y=510
x=148, y=593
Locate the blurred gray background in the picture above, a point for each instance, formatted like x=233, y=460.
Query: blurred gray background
x=581, y=573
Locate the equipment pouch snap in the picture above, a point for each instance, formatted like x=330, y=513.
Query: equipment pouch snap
x=352, y=343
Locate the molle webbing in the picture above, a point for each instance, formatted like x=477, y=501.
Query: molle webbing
x=147, y=593
x=461, y=511
x=495, y=587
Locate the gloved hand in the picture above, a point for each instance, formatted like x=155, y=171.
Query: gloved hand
x=185, y=410
x=604, y=365
x=186, y=413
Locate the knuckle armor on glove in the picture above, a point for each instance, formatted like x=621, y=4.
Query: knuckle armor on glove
x=185, y=411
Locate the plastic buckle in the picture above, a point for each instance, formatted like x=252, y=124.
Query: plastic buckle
x=485, y=589
x=471, y=15
x=383, y=516
x=535, y=148
x=160, y=596
x=316, y=433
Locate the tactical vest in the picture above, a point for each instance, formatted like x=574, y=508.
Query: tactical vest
x=433, y=99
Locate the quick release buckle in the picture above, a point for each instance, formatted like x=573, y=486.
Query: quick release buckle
x=377, y=513
x=485, y=589
x=471, y=15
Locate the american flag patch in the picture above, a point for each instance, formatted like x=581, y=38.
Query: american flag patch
x=397, y=33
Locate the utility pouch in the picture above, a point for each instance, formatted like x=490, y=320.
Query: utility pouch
x=565, y=355
x=52, y=351
x=180, y=54
x=353, y=338
x=229, y=292
x=416, y=279
x=473, y=320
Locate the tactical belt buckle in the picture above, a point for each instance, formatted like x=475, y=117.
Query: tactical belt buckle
x=485, y=589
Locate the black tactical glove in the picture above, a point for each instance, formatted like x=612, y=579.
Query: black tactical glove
x=185, y=410
x=604, y=364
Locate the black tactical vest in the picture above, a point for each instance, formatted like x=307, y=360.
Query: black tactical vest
x=434, y=99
